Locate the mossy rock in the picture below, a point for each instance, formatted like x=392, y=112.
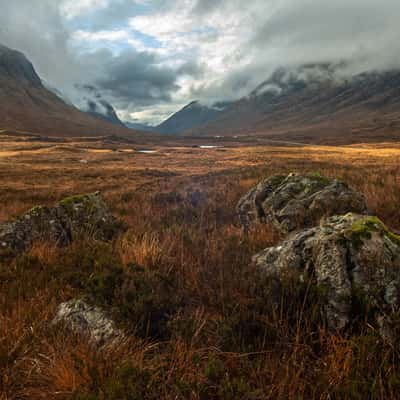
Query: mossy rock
x=295, y=202
x=82, y=215
x=89, y=215
x=354, y=258
x=367, y=226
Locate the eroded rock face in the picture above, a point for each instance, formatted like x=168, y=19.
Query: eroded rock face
x=351, y=258
x=85, y=214
x=88, y=319
x=298, y=201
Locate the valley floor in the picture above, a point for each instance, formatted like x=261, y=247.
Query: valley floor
x=220, y=340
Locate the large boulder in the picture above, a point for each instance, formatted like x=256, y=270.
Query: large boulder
x=298, y=201
x=352, y=260
x=89, y=320
x=74, y=216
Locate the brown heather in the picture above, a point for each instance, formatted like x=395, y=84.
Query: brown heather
x=179, y=280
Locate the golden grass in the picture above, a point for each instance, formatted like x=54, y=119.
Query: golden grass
x=224, y=341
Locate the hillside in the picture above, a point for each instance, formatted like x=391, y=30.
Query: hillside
x=191, y=116
x=27, y=105
x=304, y=106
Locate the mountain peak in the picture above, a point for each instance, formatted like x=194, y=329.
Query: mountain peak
x=14, y=65
x=193, y=114
x=28, y=105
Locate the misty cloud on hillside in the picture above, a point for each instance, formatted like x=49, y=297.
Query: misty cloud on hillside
x=151, y=57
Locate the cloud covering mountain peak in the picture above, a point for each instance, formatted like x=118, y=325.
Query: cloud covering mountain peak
x=150, y=57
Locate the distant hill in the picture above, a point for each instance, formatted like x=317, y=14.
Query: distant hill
x=193, y=115
x=140, y=127
x=27, y=105
x=311, y=104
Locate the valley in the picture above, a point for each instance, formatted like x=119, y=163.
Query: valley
x=199, y=200
x=178, y=205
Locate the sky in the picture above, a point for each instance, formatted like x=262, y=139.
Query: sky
x=149, y=58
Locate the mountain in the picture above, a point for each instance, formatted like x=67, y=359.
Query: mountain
x=192, y=115
x=15, y=66
x=140, y=127
x=27, y=105
x=314, y=104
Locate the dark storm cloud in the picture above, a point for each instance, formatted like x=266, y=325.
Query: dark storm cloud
x=135, y=78
x=129, y=79
x=36, y=28
x=359, y=34
x=356, y=35
x=310, y=30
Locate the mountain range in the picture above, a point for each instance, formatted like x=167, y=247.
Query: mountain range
x=311, y=103
x=316, y=108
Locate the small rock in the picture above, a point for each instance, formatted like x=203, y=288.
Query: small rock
x=74, y=216
x=88, y=319
x=348, y=257
x=298, y=201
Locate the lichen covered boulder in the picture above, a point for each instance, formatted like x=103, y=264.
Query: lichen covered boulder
x=298, y=201
x=352, y=260
x=86, y=215
x=89, y=320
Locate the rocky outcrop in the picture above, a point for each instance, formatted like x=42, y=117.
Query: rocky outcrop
x=352, y=259
x=296, y=201
x=87, y=319
x=74, y=216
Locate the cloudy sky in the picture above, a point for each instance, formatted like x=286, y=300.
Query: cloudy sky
x=151, y=57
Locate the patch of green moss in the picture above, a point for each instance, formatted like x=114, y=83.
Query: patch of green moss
x=36, y=211
x=363, y=229
x=276, y=180
x=321, y=179
x=86, y=203
x=70, y=201
x=393, y=237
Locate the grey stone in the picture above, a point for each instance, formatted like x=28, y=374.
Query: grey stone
x=78, y=215
x=90, y=320
x=346, y=257
x=296, y=201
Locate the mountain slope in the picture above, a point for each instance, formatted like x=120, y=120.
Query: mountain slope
x=192, y=115
x=312, y=106
x=92, y=102
x=27, y=105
